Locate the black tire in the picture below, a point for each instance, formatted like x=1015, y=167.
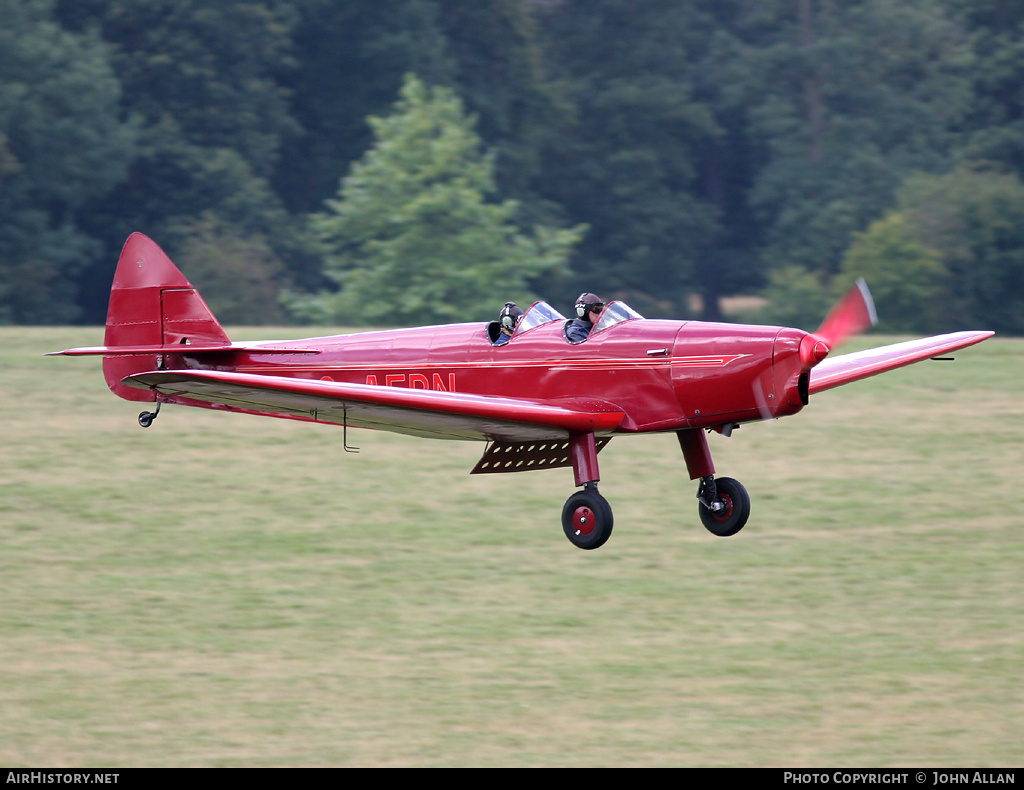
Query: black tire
x=587, y=519
x=146, y=419
x=732, y=518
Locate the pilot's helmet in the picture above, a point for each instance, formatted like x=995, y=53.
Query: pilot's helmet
x=587, y=302
x=509, y=316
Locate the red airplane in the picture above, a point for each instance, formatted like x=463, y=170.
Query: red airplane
x=539, y=401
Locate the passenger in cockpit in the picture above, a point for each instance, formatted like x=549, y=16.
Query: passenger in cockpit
x=508, y=320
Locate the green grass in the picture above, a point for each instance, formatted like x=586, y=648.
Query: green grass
x=224, y=590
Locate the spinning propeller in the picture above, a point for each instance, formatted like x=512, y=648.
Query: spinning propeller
x=852, y=315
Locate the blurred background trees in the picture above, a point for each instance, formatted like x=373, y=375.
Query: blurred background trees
x=710, y=148
x=65, y=142
x=422, y=193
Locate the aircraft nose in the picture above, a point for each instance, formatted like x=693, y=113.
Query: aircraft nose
x=812, y=351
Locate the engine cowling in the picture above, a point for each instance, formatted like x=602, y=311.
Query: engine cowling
x=794, y=354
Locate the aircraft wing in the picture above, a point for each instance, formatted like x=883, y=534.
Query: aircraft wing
x=417, y=412
x=835, y=371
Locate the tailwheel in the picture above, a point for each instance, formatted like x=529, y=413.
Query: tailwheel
x=725, y=508
x=146, y=418
x=587, y=519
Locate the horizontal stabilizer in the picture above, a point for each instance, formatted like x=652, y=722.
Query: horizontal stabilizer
x=836, y=371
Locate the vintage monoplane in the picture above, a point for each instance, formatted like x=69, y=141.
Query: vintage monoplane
x=539, y=401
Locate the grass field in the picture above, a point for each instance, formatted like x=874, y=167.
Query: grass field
x=224, y=590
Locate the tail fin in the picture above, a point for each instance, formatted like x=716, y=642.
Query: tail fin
x=151, y=304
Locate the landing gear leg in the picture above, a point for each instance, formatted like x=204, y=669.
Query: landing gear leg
x=707, y=494
x=586, y=517
x=724, y=504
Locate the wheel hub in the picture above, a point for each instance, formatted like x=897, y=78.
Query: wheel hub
x=583, y=519
x=723, y=508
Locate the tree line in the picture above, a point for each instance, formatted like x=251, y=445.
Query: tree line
x=406, y=161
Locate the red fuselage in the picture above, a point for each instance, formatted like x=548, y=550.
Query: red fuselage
x=665, y=375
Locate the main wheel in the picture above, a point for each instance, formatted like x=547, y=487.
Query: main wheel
x=730, y=519
x=587, y=519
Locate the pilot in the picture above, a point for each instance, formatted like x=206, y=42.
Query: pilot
x=588, y=310
x=508, y=320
